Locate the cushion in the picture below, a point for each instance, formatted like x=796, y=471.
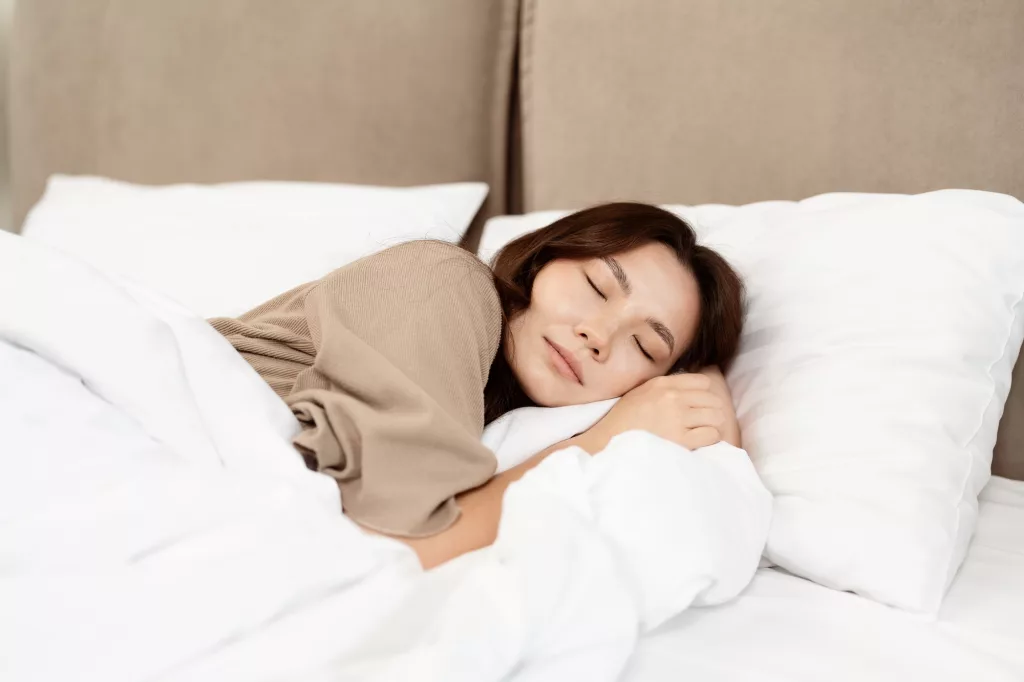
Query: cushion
x=223, y=249
x=874, y=365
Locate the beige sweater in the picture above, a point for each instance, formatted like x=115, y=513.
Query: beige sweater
x=384, y=362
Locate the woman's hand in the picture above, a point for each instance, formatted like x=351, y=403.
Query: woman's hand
x=730, y=430
x=693, y=410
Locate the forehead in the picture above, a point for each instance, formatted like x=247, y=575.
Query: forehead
x=653, y=269
x=662, y=287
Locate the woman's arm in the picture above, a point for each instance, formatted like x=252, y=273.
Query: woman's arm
x=693, y=410
x=477, y=526
x=730, y=428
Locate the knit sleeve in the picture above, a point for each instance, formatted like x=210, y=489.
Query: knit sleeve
x=392, y=406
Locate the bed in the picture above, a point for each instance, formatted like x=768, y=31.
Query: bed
x=558, y=104
x=787, y=628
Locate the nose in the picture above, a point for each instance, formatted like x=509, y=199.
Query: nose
x=595, y=338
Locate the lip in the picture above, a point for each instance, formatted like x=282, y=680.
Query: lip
x=565, y=363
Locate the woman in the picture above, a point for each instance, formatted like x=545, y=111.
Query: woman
x=394, y=364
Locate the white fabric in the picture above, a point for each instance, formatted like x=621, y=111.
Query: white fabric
x=880, y=337
x=156, y=524
x=516, y=436
x=500, y=230
x=784, y=628
x=221, y=250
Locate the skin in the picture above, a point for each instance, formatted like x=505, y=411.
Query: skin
x=594, y=330
x=621, y=321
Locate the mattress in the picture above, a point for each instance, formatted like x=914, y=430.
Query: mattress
x=786, y=628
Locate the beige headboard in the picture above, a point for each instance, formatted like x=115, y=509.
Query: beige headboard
x=158, y=91
x=732, y=101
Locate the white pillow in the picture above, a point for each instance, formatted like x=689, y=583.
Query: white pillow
x=880, y=337
x=500, y=230
x=223, y=249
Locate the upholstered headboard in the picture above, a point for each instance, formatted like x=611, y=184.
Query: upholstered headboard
x=159, y=91
x=735, y=101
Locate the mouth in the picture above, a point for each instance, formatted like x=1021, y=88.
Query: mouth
x=565, y=364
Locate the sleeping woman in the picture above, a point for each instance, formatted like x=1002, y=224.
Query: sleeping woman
x=394, y=364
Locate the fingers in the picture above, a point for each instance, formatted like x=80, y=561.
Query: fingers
x=718, y=383
x=690, y=399
x=701, y=437
x=677, y=396
x=683, y=382
x=675, y=401
x=698, y=417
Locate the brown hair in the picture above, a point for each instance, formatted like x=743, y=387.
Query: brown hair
x=604, y=231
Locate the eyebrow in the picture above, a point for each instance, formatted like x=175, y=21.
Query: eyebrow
x=627, y=288
x=663, y=331
x=620, y=274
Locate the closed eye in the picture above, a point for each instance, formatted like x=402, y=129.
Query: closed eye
x=594, y=287
x=642, y=349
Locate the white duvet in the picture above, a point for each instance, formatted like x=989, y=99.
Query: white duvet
x=155, y=523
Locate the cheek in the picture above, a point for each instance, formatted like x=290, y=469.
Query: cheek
x=556, y=295
x=626, y=372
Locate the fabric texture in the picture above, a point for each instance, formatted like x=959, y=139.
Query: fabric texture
x=732, y=101
x=384, y=362
x=792, y=629
x=221, y=250
x=264, y=90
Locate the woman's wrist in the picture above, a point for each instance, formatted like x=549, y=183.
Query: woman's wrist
x=592, y=441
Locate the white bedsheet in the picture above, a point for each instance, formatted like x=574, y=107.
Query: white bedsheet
x=785, y=629
x=155, y=523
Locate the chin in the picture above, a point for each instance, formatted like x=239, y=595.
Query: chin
x=540, y=396
x=543, y=390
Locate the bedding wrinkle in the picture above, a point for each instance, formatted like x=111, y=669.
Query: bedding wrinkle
x=384, y=363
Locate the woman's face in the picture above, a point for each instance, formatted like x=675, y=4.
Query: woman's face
x=596, y=329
